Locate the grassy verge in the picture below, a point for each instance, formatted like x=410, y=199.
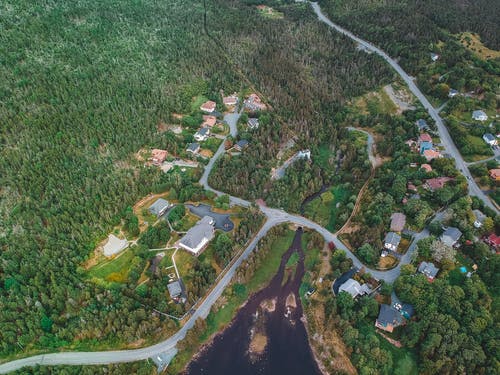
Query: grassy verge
x=235, y=296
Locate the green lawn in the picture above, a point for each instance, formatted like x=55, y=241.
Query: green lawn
x=404, y=361
x=115, y=270
x=197, y=102
x=324, y=210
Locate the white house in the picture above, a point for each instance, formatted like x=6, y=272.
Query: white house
x=304, y=154
x=197, y=237
x=479, y=115
x=202, y=134
x=490, y=139
x=434, y=57
x=452, y=93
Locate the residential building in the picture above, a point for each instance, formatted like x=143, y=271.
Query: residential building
x=177, y=291
x=241, y=145
x=354, y=288
x=426, y=167
x=430, y=155
x=159, y=207
x=493, y=240
x=452, y=93
x=429, y=270
x=114, y=245
x=193, y=148
x=230, y=100
x=254, y=103
x=422, y=125
x=208, y=106
x=388, y=318
x=490, y=139
x=398, y=222
x=434, y=57
x=391, y=241
x=304, y=154
x=424, y=142
x=197, y=237
x=451, y=236
x=209, y=121
x=479, y=115
x=202, y=134
x=434, y=184
x=495, y=174
x=253, y=123
x=158, y=156
x=479, y=218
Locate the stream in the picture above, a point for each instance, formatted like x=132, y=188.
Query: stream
x=267, y=335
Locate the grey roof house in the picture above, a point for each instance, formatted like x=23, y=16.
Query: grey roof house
x=422, y=125
x=159, y=207
x=177, y=291
x=451, y=236
x=240, y=145
x=388, y=318
x=193, y=148
x=253, y=123
x=198, y=236
x=354, y=288
x=428, y=269
x=391, y=241
x=479, y=115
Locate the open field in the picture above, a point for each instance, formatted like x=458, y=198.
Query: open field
x=472, y=42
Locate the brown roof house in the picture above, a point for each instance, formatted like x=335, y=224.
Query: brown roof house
x=209, y=121
x=398, y=222
x=158, y=156
x=495, y=174
x=230, y=100
x=254, y=103
x=208, y=106
x=433, y=184
x=426, y=167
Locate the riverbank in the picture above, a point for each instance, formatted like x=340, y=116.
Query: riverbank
x=286, y=346
x=235, y=296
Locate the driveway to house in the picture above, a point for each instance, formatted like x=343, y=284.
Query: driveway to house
x=274, y=217
x=443, y=131
x=222, y=221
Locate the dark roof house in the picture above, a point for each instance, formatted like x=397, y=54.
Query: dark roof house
x=451, y=236
x=392, y=241
x=159, y=207
x=388, y=318
x=241, y=144
x=428, y=269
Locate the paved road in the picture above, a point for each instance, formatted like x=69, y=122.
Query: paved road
x=274, y=217
x=443, y=131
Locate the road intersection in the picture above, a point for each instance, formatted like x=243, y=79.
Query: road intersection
x=273, y=218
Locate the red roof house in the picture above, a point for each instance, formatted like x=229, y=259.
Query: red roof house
x=433, y=184
x=158, y=156
x=209, y=121
x=424, y=137
x=208, y=107
x=493, y=240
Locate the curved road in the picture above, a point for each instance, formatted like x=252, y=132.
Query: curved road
x=274, y=217
x=443, y=131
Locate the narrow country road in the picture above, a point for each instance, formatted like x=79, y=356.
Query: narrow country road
x=274, y=217
x=443, y=131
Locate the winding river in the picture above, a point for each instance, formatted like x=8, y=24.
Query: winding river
x=267, y=336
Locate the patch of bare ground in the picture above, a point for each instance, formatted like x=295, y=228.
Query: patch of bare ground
x=258, y=344
x=206, y=153
x=329, y=350
x=269, y=305
x=290, y=301
x=177, y=116
x=141, y=155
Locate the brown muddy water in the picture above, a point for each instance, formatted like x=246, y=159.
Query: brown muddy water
x=267, y=336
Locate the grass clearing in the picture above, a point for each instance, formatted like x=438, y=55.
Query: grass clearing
x=197, y=102
x=472, y=42
x=114, y=270
x=325, y=209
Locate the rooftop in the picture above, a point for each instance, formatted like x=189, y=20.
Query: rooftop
x=158, y=206
x=424, y=137
x=392, y=238
x=114, y=245
x=428, y=269
x=398, y=221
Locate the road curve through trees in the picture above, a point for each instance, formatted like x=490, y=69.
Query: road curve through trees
x=274, y=217
x=443, y=131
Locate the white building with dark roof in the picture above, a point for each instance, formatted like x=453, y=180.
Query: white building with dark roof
x=159, y=207
x=354, y=288
x=479, y=115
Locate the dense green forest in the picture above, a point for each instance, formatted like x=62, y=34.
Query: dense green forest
x=83, y=86
x=410, y=29
x=320, y=71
